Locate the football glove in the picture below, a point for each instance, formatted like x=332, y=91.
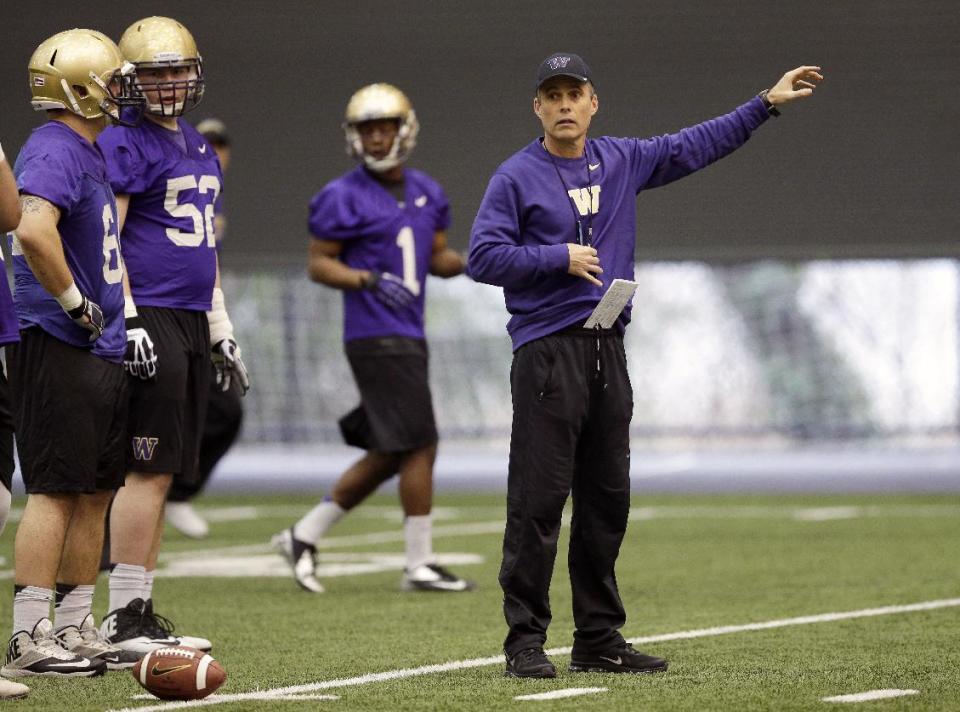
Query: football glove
x=229, y=365
x=390, y=290
x=89, y=316
x=140, y=359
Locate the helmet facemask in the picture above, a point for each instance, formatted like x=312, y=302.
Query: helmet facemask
x=122, y=101
x=171, y=97
x=403, y=144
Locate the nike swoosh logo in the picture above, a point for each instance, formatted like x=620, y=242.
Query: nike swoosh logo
x=617, y=660
x=593, y=167
x=157, y=671
x=77, y=664
x=203, y=149
x=421, y=201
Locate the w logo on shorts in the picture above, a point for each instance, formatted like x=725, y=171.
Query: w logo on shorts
x=143, y=447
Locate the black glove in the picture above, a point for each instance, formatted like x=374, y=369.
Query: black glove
x=229, y=365
x=390, y=290
x=88, y=316
x=140, y=359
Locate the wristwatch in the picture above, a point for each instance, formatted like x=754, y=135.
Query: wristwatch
x=771, y=109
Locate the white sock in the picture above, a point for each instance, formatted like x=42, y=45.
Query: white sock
x=318, y=521
x=147, y=591
x=30, y=605
x=126, y=584
x=418, y=532
x=73, y=604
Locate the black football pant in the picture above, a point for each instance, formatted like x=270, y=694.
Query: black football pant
x=220, y=430
x=572, y=404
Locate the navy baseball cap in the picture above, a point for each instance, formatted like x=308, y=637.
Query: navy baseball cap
x=564, y=64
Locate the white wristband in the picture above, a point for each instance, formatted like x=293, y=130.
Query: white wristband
x=129, y=307
x=220, y=326
x=71, y=298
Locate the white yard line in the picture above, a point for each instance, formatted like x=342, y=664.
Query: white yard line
x=871, y=695
x=560, y=694
x=453, y=666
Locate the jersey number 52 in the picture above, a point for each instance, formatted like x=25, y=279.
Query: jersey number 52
x=202, y=222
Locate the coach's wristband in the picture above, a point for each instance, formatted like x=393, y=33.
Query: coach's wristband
x=767, y=104
x=71, y=298
x=129, y=308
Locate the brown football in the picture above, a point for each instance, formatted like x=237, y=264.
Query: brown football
x=179, y=673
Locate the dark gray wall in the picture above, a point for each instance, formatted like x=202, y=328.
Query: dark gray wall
x=865, y=168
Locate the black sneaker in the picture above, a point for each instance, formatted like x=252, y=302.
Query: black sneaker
x=620, y=658
x=531, y=662
x=302, y=558
x=123, y=629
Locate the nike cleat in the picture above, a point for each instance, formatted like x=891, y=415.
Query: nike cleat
x=39, y=654
x=302, y=558
x=433, y=577
x=123, y=629
x=87, y=641
x=156, y=626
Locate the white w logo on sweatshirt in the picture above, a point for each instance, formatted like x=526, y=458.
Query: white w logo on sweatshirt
x=587, y=200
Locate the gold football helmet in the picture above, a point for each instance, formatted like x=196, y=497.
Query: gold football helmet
x=83, y=72
x=156, y=44
x=381, y=101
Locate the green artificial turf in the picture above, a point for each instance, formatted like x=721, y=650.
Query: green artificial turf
x=687, y=563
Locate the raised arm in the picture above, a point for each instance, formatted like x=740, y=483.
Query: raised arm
x=664, y=159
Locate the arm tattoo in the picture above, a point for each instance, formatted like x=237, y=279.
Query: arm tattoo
x=33, y=204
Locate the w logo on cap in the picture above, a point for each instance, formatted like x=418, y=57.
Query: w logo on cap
x=558, y=62
x=143, y=448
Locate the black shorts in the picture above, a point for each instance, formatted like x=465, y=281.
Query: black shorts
x=69, y=411
x=166, y=414
x=6, y=433
x=396, y=411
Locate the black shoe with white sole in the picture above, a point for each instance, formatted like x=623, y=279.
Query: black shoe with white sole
x=620, y=658
x=433, y=577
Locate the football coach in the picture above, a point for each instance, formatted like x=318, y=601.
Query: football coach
x=556, y=226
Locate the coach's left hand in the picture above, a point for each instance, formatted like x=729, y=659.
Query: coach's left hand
x=798, y=83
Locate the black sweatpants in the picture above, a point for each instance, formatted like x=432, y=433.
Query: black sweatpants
x=572, y=405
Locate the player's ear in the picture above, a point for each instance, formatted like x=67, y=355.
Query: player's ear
x=536, y=104
x=594, y=104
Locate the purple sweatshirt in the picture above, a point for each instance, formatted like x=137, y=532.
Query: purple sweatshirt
x=529, y=214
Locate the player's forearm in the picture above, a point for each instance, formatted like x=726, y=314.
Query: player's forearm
x=43, y=251
x=333, y=273
x=446, y=263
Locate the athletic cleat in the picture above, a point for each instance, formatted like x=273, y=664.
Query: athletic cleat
x=123, y=628
x=302, y=558
x=156, y=626
x=87, y=641
x=39, y=654
x=433, y=577
x=10, y=690
x=530, y=662
x=184, y=518
x=620, y=658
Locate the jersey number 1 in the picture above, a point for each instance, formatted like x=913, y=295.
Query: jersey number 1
x=409, y=249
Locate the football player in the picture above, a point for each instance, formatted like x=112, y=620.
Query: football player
x=67, y=385
x=377, y=232
x=9, y=219
x=167, y=180
x=224, y=409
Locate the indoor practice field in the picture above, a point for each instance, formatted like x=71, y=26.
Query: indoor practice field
x=695, y=572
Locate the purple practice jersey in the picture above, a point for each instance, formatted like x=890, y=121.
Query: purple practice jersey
x=9, y=329
x=529, y=214
x=382, y=235
x=173, y=180
x=63, y=168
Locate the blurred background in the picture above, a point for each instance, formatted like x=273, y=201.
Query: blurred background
x=796, y=324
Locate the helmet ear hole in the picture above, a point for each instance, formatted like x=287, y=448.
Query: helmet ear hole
x=80, y=91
